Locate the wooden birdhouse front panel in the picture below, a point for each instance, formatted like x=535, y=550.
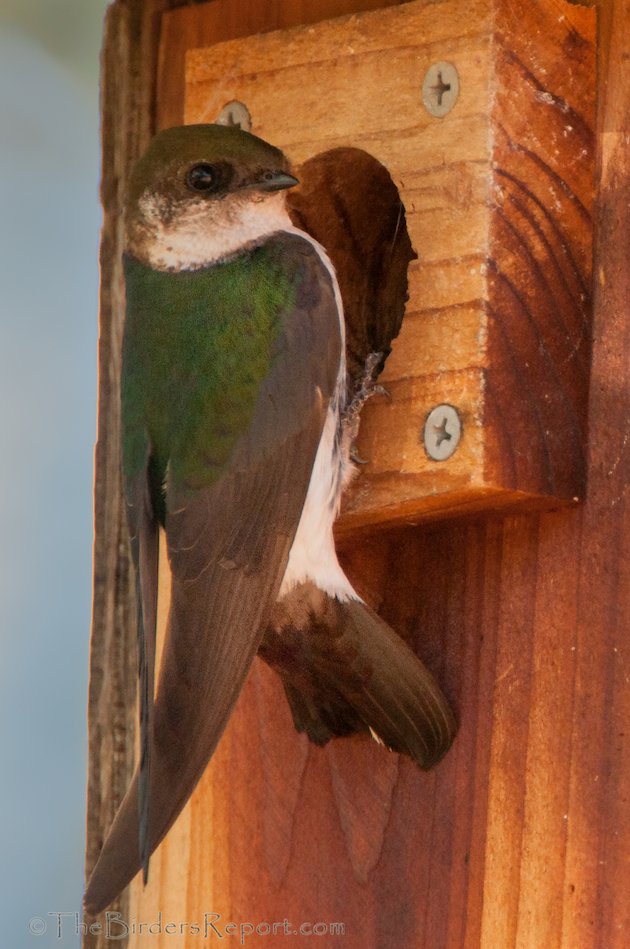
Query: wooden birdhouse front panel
x=520, y=837
x=490, y=144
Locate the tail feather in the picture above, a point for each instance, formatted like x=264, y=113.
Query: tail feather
x=345, y=670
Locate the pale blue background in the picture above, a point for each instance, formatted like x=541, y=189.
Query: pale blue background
x=49, y=219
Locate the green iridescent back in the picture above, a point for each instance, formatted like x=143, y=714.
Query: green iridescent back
x=197, y=345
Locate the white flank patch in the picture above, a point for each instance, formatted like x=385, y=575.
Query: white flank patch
x=313, y=556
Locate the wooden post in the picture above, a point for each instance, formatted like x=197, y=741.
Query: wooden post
x=520, y=837
x=129, y=64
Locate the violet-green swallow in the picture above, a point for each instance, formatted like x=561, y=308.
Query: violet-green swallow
x=233, y=399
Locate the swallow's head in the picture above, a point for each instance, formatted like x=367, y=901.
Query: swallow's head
x=202, y=193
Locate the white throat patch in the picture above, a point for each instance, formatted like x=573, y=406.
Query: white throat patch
x=201, y=235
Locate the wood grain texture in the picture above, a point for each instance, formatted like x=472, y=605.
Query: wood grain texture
x=498, y=198
x=520, y=837
x=207, y=23
x=539, y=300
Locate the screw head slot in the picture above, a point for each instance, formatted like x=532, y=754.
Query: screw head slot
x=442, y=432
x=440, y=88
x=235, y=113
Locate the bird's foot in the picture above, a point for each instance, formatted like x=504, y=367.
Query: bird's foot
x=366, y=388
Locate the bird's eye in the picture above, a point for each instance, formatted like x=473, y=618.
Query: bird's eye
x=204, y=177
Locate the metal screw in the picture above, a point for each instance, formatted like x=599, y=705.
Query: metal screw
x=442, y=432
x=235, y=113
x=440, y=88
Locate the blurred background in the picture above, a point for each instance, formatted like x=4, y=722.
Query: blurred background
x=49, y=220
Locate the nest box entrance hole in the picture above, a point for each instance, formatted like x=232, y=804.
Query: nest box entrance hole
x=348, y=202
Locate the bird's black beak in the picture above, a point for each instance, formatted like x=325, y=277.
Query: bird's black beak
x=275, y=181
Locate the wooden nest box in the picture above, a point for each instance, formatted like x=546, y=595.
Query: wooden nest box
x=483, y=115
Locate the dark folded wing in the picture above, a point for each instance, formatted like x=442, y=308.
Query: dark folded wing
x=144, y=537
x=228, y=550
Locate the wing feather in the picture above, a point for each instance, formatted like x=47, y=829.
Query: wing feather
x=228, y=550
x=144, y=538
